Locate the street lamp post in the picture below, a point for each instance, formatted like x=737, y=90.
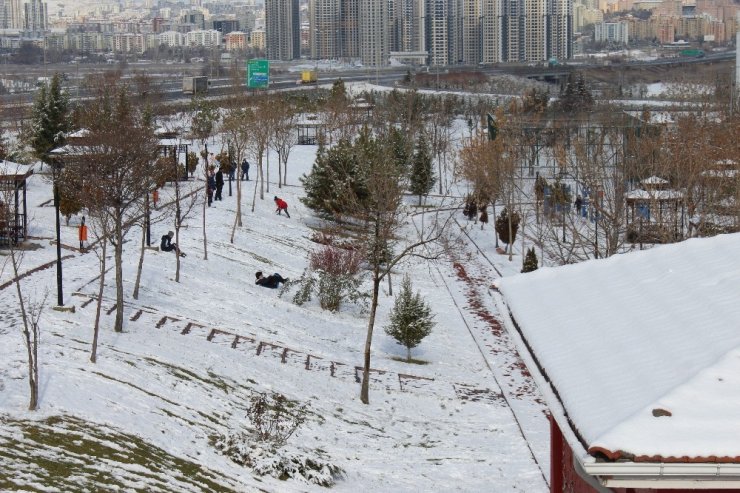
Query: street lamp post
x=60, y=293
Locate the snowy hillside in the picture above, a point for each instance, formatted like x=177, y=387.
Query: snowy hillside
x=194, y=353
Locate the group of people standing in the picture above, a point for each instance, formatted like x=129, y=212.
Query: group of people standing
x=215, y=177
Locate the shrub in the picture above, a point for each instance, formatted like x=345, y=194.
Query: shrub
x=333, y=275
x=335, y=261
x=530, y=261
x=502, y=226
x=273, y=419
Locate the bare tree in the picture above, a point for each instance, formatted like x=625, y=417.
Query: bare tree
x=102, y=229
x=259, y=130
x=284, y=137
x=384, y=216
x=115, y=166
x=30, y=311
x=204, y=117
x=235, y=126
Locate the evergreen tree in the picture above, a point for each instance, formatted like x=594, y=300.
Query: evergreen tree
x=411, y=318
x=338, y=91
x=530, y=261
x=399, y=145
x=332, y=177
x=502, y=226
x=575, y=96
x=49, y=119
x=421, y=179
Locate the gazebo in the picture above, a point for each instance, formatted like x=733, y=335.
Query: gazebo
x=13, y=209
x=309, y=129
x=655, y=213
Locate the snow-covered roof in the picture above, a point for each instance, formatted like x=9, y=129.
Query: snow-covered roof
x=83, y=132
x=624, y=337
x=654, y=195
x=654, y=180
x=9, y=168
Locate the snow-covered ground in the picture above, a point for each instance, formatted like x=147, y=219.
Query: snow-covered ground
x=193, y=353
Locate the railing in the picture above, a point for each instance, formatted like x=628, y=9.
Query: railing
x=12, y=229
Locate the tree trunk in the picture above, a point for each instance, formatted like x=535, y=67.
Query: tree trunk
x=262, y=178
x=267, y=165
x=205, y=206
x=139, y=268
x=256, y=185
x=101, y=286
x=177, y=230
x=119, y=274
x=285, y=170
x=408, y=353
x=238, y=217
x=31, y=345
x=365, y=390
x=280, y=170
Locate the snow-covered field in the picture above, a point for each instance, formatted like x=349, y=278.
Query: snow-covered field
x=193, y=353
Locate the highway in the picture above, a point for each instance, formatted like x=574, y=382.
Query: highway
x=166, y=79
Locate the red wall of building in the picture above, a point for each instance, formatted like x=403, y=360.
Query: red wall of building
x=564, y=479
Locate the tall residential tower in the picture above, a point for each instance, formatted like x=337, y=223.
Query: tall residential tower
x=282, y=29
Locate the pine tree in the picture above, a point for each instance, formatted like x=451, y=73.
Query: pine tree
x=502, y=226
x=49, y=119
x=334, y=179
x=399, y=146
x=421, y=179
x=411, y=318
x=530, y=261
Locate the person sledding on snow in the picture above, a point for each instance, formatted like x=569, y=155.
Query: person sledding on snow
x=281, y=206
x=270, y=281
x=168, y=246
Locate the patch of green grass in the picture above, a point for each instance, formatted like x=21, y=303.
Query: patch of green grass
x=72, y=455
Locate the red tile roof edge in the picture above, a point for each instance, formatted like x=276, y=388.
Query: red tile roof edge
x=620, y=454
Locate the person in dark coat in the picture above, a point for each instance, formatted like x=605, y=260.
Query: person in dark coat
x=281, y=206
x=578, y=203
x=168, y=246
x=219, y=184
x=211, y=186
x=232, y=171
x=271, y=281
x=245, y=169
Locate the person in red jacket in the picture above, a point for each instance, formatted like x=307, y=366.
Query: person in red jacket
x=83, y=234
x=281, y=206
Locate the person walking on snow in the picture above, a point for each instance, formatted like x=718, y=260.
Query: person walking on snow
x=245, y=169
x=211, y=186
x=83, y=234
x=219, y=184
x=281, y=206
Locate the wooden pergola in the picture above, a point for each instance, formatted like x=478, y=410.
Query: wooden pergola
x=655, y=213
x=13, y=206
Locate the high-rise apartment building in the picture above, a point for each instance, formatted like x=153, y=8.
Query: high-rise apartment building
x=437, y=31
x=449, y=31
x=14, y=14
x=349, y=29
x=471, y=39
x=374, y=32
x=406, y=25
x=282, y=29
x=492, y=36
x=324, y=32
x=35, y=16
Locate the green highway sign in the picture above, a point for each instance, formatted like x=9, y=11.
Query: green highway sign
x=258, y=74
